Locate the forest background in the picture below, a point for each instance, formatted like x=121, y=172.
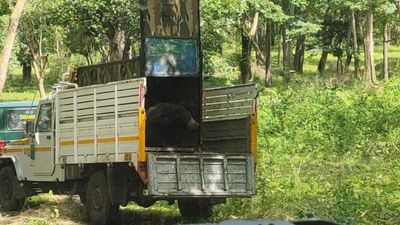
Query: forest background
x=328, y=73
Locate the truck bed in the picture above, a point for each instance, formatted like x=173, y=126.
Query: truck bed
x=98, y=123
x=225, y=165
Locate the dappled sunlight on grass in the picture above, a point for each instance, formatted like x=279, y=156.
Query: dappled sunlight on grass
x=17, y=96
x=159, y=214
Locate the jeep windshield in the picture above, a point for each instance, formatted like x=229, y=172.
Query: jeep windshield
x=16, y=118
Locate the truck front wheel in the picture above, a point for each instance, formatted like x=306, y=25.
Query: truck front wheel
x=97, y=199
x=8, y=189
x=195, y=209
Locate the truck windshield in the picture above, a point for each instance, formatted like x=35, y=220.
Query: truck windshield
x=16, y=118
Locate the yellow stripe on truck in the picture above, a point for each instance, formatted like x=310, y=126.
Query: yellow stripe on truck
x=101, y=140
x=37, y=149
x=25, y=141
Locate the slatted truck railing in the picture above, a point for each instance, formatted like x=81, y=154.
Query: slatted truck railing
x=230, y=119
x=98, y=124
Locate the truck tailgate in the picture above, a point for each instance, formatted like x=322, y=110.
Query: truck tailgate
x=201, y=174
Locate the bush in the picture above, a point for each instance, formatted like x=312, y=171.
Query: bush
x=327, y=152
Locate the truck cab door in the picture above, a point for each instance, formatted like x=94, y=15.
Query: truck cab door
x=42, y=150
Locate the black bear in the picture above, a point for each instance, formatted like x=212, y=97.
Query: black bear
x=165, y=124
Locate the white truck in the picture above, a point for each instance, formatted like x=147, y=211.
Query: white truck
x=91, y=141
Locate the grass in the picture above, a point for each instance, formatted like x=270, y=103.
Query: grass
x=326, y=151
x=48, y=209
x=17, y=96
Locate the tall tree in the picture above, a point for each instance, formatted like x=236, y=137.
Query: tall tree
x=386, y=51
x=355, y=45
x=386, y=17
x=11, y=35
x=37, y=34
x=108, y=26
x=268, y=72
x=247, y=39
x=369, y=59
x=289, y=8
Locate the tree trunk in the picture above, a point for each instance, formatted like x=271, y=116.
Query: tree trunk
x=273, y=33
x=9, y=42
x=247, y=38
x=27, y=72
x=127, y=49
x=386, y=52
x=279, y=46
x=289, y=8
x=299, y=55
x=259, y=43
x=349, y=54
x=268, y=40
x=339, y=67
x=355, y=46
x=369, y=47
x=287, y=50
x=322, y=62
x=117, y=44
x=245, y=62
x=40, y=78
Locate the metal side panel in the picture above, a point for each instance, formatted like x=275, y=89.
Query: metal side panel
x=229, y=102
x=200, y=175
x=227, y=136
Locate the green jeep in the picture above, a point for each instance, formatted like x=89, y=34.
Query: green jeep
x=12, y=119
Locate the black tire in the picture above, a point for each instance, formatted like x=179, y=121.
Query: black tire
x=195, y=209
x=8, y=188
x=97, y=199
x=82, y=197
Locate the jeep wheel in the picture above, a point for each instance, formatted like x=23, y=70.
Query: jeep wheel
x=98, y=203
x=195, y=209
x=8, y=188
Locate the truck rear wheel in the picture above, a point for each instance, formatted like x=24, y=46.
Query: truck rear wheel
x=195, y=209
x=97, y=199
x=8, y=189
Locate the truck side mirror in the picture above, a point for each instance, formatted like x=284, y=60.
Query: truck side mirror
x=29, y=127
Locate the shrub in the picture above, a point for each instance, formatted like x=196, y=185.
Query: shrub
x=327, y=152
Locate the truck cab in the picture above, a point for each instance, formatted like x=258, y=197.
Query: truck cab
x=13, y=116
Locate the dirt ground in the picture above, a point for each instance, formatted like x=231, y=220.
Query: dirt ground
x=48, y=209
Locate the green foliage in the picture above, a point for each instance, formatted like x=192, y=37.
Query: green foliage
x=55, y=212
x=37, y=222
x=328, y=152
x=5, y=7
x=4, y=21
x=43, y=199
x=90, y=25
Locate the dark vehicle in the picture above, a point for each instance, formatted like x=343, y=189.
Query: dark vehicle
x=13, y=116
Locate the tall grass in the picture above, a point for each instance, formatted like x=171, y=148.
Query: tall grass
x=327, y=152
x=18, y=96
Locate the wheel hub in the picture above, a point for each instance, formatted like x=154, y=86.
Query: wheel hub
x=6, y=188
x=97, y=198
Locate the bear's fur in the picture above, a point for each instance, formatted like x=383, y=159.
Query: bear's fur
x=165, y=124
